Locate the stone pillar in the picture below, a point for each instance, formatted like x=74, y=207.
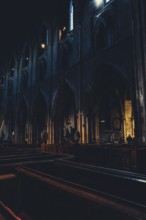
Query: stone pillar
x=139, y=47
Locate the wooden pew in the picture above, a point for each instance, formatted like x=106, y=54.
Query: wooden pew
x=108, y=155
x=6, y=213
x=9, y=189
x=8, y=179
x=127, y=185
x=24, y=158
x=24, y=154
x=8, y=165
x=47, y=197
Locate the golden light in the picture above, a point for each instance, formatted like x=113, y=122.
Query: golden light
x=129, y=120
x=60, y=35
x=98, y=3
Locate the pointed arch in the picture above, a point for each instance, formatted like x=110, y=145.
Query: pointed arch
x=106, y=105
x=38, y=117
x=64, y=111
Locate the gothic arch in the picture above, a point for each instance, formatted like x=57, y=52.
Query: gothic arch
x=64, y=111
x=106, y=105
x=38, y=117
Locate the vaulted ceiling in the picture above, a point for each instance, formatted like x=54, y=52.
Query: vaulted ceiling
x=19, y=19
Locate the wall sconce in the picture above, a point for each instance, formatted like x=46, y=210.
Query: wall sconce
x=43, y=45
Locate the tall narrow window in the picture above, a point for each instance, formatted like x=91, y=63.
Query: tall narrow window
x=71, y=16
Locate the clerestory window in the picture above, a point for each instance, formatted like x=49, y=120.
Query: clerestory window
x=67, y=21
x=71, y=16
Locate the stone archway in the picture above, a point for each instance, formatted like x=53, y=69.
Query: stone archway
x=39, y=118
x=106, y=107
x=64, y=111
x=111, y=116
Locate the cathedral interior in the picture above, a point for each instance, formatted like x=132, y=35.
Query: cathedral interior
x=72, y=110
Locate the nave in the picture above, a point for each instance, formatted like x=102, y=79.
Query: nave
x=38, y=185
